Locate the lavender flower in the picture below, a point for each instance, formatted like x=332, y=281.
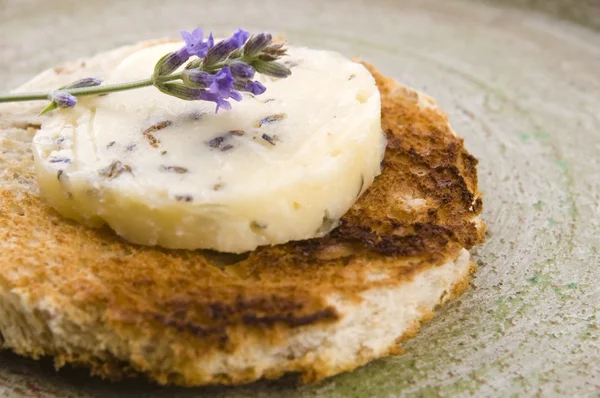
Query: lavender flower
x=240, y=37
x=222, y=85
x=241, y=70
x=62, y=99
x=195, y=44
x=193, y=94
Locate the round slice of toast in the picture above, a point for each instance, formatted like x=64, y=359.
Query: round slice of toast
x=315, y=307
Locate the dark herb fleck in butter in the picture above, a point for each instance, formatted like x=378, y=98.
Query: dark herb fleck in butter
x=271, y=119
x=53, y=159
x=216, y=142
x=268, y=138
x=174, y=169
x=115, y=169
x=220, y=142
x=154, y=128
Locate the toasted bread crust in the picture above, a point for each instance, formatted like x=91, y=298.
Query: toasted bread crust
x=420, y=212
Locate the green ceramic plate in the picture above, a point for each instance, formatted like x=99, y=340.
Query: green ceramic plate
x=521, y=85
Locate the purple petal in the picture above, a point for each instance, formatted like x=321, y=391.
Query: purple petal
x=255, y=88
x=223, y=82
x=213, y=97
x=214, y=87
x=198, y=34
x=221, y=103
x=225, y=74
x=240, y=36
x=187, y=37
x=235, y=95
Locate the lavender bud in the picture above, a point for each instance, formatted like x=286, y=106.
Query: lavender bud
x=256, y=44
x=237, y=53
x=267, y=57
x=241, y=70
x=85, y=82
x=180, y=91
x=276, y=49
x=63, y=99
x=220, y=52
x=255, y=87
x=196, y=78
x=274, y=69
x=195, y=64
x=170, y=62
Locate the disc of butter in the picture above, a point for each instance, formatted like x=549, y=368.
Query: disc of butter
x=282, y=166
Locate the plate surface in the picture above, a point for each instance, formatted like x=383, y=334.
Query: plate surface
x=522, y=87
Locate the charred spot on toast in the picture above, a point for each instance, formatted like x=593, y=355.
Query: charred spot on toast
x=210, y=317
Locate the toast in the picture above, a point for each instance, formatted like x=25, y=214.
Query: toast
x=316, y=308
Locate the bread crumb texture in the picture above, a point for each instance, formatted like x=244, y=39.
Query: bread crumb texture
x=316, y=307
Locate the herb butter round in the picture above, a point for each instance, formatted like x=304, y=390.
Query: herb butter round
x=282, y=166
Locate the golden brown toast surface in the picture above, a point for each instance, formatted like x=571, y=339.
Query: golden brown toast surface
x=418, y=214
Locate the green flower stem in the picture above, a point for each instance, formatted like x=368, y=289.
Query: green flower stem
x=80, y=92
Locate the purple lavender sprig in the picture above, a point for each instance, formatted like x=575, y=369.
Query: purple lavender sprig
x=221, y=70
x=214, y=72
